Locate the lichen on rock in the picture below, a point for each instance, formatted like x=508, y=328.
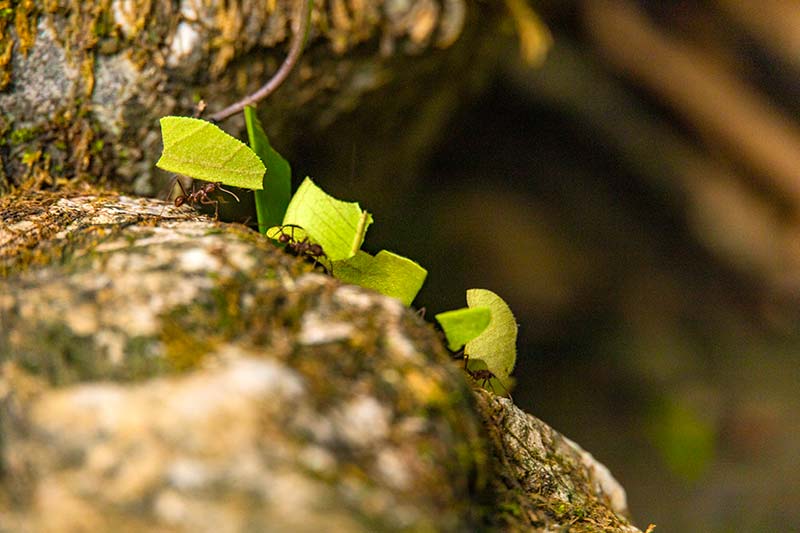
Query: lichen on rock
x=162, y=372
x=81, y=76
x=181, y=372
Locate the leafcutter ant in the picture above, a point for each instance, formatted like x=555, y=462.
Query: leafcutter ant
x=304, y=247
x=484, y=376
x=202, y=195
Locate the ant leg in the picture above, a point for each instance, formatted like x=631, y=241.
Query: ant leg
x=180, y=184
x=168, y=190
x=326, y=269
x=205, y=200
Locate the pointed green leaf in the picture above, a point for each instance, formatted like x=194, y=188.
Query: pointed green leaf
x=201, y=150
x=462, y=325
x=271, y=202
x=496, y=347
x=386, y=273
x=339, y=227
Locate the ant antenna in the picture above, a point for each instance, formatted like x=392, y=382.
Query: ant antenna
x=219, y=187
x=295, y=49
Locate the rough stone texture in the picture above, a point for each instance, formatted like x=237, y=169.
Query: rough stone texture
x=545, y=480
x=78, y=78
x=161, y=372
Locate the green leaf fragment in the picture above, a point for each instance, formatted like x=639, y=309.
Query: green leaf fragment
x=496, y=347
x=462, y=325
x=271, y=202
x=274, y=232
x=338, y=226
x=199, y=149
x=386, y=273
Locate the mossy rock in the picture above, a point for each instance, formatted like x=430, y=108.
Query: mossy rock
x=163, y=372
x=83, y=84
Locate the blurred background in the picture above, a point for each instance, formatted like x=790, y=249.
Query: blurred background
x=634, y=196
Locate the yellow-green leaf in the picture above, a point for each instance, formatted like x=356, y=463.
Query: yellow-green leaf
x=199, y=149
x=386, y=273
x=496, y=347
x=462, y=325
x=338, y=226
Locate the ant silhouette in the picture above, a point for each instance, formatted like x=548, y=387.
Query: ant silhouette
x=304, y=248
x=201, y=195
x=484, y=376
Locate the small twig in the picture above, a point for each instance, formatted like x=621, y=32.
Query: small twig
x=295, y=49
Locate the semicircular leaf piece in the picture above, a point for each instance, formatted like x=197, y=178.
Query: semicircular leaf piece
x=462, y=325
x=386, y=273
x=199, y=149
x=496, y=347
x=338, y=226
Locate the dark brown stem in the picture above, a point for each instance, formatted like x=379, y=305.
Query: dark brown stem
x=295, y=49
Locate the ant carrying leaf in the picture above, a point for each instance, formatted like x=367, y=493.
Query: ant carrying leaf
x=483, y=376
x=487, y=330
x=201, y=195
x=301, y=246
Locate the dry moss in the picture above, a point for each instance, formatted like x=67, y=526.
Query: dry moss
x=45, y=152
x=17, y=17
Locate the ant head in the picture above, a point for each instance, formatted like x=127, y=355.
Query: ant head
x=179, y=201
x=283, y=238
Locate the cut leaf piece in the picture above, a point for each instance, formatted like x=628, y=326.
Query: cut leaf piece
x=271, y=202
x=297, y=234
x=496, y=347
x=490, y=383
x=339, y=227
x=201, y=150
x=462, y=325
x=386, y=272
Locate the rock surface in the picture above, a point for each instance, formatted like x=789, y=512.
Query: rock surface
x=161, y=372
x=83, y=84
